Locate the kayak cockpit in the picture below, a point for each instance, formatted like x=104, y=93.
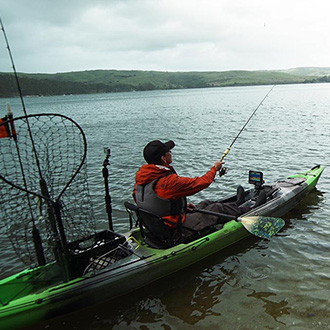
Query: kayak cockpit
x=155, y=233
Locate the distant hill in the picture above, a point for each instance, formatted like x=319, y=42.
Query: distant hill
x=308, y=71
x=107, y=81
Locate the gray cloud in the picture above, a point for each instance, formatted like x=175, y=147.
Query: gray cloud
x=185, y=35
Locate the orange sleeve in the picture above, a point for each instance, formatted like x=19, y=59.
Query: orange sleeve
x=174, y=186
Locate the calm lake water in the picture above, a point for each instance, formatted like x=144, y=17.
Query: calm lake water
x=283, y=283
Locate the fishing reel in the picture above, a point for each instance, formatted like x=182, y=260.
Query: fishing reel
x=223, y=171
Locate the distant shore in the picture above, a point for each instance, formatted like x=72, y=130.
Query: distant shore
x=109, y=81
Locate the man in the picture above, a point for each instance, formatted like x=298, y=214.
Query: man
x=161, y=191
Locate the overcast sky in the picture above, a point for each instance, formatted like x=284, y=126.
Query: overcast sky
x=167, y=35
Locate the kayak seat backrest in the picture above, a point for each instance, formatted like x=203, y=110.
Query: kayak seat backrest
x=153, y=228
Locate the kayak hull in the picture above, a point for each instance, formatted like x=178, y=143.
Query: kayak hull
x=116, y=280
x=23, y=302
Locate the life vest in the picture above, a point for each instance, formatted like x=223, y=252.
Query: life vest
x=147, y=199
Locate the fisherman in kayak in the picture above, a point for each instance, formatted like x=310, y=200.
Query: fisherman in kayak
x=159, y=190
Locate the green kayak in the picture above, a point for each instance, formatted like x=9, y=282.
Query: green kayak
x=108, y=265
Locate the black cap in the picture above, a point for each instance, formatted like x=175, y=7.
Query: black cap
x=155, y=149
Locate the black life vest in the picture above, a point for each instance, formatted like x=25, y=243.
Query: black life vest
x=147, y=199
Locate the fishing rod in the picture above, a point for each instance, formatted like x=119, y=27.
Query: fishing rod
x=20, y=95
x=224, y=169
x=52, y=208
x=35, y=232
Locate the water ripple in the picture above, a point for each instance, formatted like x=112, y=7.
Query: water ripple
x=285, y=279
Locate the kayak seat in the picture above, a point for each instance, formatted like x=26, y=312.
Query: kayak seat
x=153, y=228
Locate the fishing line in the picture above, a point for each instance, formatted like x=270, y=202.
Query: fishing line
x=223, y=170
x=21, y=97
x=43, y=185
x=35, y=231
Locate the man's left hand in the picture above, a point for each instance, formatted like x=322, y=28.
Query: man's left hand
x=191, y=207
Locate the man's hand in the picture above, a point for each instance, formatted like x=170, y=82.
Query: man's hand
x=190, y=207
x=218, y=164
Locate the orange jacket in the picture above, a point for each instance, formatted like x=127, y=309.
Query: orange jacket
x=172, y=186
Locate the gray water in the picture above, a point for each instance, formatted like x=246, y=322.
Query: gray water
x=279, y=284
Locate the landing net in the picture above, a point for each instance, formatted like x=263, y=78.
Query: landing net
x=46, y=150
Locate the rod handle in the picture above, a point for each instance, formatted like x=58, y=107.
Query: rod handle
x=224, y=154
x=223, y=171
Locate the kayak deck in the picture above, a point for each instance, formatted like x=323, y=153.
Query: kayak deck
x=286, y=193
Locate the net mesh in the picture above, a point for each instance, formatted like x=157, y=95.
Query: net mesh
x=51, y=147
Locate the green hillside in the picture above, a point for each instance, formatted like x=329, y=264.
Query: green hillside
x=309, y=71
x=106, y=81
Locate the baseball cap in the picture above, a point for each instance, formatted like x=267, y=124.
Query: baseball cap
x=155, y=149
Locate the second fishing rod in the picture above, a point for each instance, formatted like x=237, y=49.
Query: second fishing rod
x=224, y=169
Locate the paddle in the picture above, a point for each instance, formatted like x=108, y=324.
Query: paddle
x=261, y=226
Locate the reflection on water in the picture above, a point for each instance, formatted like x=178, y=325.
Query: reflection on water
x=283, y=283
x=314, y=201
x=272, y=308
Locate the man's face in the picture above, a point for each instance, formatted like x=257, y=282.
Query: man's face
x=168, y=157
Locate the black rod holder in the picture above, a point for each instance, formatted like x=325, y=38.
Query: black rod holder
x=105, y=173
